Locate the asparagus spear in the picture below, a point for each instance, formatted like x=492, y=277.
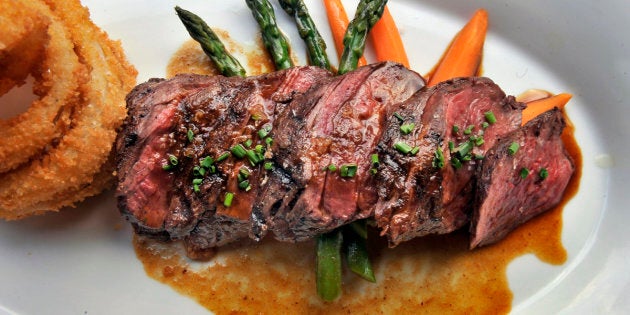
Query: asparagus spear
x=210, y=43
x=367, y=14
x=316, y=47
x=274, y=41
x=329, y=265
x=355, y=246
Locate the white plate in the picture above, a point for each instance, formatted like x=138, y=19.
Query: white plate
x=81, y=260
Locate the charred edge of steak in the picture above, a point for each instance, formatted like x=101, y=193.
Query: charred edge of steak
x=513, y=187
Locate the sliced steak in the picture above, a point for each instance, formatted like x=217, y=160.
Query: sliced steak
x=514, y=187
x=434, y=195
x=337, y=123
x=216, y=111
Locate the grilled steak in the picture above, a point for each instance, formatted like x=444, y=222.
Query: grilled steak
x=299, y=152
x=215, y=111
x=337, y=123
x=524, y=175
x=431, y=195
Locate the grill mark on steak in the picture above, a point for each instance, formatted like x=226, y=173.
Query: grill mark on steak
x=505, y=200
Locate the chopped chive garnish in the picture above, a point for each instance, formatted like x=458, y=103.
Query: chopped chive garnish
x=167, y=167
x=485, y=125
x=456, y=163
x=332, y=167
x=455, y=129
x=402, y=147
x=248, y=143
x=407, y=128
x=253, y=157
x=397, y=115
x=375, y=161
x=239, y=151
x=478, y=157
x=223, y=156
x=199, y=171
x=207, y=162
x=451, y=146
x=172, y=160
x=196, y=188
x=228, y=199
x=197, y=181
x=415, y=150
x=373, y=171
x=190, y=135
x=490, y=117
x=348, y=170
x=463, y=149
x=243, y=171
x=513, y=148
x=244, y=185
x=259, y=148
x=438, y=160
x=269, y=141
x=543, y=173
x=212, y=169
x=268, y=166
x=479, y=141
x=264, y=131
x=524, y=172
x=469, y=130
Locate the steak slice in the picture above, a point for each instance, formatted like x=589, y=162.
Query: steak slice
x=336, y=123
x=506, y=194
x=434, y=195
x=143, y=192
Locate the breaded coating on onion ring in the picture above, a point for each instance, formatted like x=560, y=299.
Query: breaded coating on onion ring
x=75, y=164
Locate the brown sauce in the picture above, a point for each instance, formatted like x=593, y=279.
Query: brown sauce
x=435, y=274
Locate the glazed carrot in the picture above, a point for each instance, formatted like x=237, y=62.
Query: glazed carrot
x=338, y=21
x=537, y=107
x=388, y=45
x=463, y=56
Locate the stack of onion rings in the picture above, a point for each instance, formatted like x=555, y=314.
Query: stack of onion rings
x=58, y=152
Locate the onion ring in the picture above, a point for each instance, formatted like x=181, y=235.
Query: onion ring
x=75, y=165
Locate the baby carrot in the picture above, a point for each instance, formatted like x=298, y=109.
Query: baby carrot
x=387, y=42
x=463, y=56
x=338, y=21
x=537, y=107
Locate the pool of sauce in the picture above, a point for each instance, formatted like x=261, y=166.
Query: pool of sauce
x=434, y=274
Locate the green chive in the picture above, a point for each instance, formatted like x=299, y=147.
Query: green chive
x=268, y=166
x=259, y=148
x=212, y=169
x=524, y=172
x=196, y=188
x=373, y=171
x=415, y=150
x=207, y=162
x=456, y=163
x=172, y=160
x=253, y=157
x=228, y=199
x=469, y=130
x=490, y=117
x=463, y=149
x=479, y=157
x=244, y=172
x=244, y=185
x=248, y=143
x=485, y=125
x=264, y=131
x=332, y=167
x=513, y=148
x=348, y=170
x=197, y=181
x=191, y=135
x=269, y=141
x=375, y=161
x=455, y=129
x=407, y=128
x=438, y=160
x=223, y=156
x=451, y=146
x=199, y=171
x=167, y=167
x=479, y=141
x=402, y=147
x=238, y=151
x=397, y=115
x=543, y=173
